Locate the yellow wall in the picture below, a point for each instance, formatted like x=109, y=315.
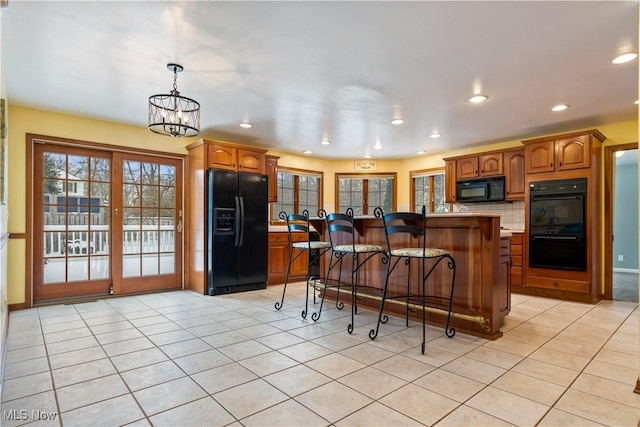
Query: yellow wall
x=24, y=120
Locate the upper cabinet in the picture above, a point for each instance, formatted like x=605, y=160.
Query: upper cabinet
x=509, y=163
x=560, y=153
x=469, y=167
x=514, y=174
x=271, y=165
x=490, y=164
x=450, y=181
x=235, y=158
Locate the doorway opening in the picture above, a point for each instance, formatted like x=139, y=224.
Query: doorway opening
x=621, y=222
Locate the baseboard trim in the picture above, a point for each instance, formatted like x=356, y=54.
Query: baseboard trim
x=18, y=306
x=626, y=270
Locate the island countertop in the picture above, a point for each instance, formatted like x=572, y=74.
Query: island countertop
x=482, y=297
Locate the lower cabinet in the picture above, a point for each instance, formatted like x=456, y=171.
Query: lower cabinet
x=279, y=257
x=517, y=281
x=504, y=296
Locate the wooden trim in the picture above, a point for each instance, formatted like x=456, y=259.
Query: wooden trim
x=299, y=170
x=426, y=171
x=226, y=144
x=481, y=153
x=609, y=187
x=18, y=306
x=592, y=132
x=17, y=235
x=28, y=274
x=77, y=143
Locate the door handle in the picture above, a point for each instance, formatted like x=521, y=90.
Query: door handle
x=180, y=227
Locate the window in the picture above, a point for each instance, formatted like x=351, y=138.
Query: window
x=364, y=193
x=298, y=190
x=428, y=189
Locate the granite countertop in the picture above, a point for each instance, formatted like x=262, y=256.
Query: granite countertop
x=505, y=234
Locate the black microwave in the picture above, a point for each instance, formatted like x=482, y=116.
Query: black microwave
x=480, y=190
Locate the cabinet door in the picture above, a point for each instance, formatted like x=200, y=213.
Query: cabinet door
x=574, y=153
x=271, y=165
x=514, y=175
x=278, y=258
x=504, y=291
x=250, y=161
x=467, y=167
x=540, y=157
x=490, y=164
x=450, y=181
x=516, y=261
x=222, y=157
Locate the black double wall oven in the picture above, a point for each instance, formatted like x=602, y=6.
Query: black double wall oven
x=557, y=224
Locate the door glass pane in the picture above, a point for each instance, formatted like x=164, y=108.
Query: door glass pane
x=131, y=172
x=149, y=231
x=75, y=218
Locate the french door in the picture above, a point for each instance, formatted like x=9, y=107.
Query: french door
x=104, y=222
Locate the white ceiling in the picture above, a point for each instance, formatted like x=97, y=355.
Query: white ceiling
x=301, y=71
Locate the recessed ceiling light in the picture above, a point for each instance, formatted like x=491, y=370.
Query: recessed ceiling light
x=378, y=146
x=624, y=58
x=620, y=153
x=368, y=156
x=246, y=125
x=435, y=135
x=637, y=101
x=559, y=107
x=421, y=152
x=397, y=121
x=325, y=142
x=477, y=99
x=307, y=152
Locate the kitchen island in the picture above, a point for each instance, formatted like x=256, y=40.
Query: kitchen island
x=482, y=296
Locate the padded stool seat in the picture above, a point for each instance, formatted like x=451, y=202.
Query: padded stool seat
x=406, y=226
x=314, y=249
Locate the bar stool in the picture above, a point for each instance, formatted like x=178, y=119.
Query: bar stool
x=404, y=225
x=342, y=237
x=315, y=249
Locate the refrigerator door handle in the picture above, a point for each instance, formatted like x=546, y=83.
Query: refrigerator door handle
x=241, y=221
x=237, y=221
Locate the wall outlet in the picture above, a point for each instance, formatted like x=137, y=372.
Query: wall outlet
x=620, y=257
x=519, y=218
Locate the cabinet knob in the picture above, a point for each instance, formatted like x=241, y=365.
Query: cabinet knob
x=550, y=164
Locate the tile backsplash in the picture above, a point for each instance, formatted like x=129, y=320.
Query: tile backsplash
x=512, y=214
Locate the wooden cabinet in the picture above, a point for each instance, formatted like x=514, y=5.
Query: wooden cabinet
x=509, y=163
x=517, y=281
x=450, y=181
x=490, y=164
x=567, y=156
x=279, y=257
x=504, y=293
x=271, y=169
x=514, y=174
x=229, y=157
x=202, y=155
x=560, y=153
x=467, y=167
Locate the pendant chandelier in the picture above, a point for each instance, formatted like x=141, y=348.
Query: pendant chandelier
x=172, y=114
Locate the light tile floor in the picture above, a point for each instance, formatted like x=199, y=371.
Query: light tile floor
x=179, y=358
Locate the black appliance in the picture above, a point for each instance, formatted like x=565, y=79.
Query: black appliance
x=237, y=231
x=557, y=224
x=480, y=190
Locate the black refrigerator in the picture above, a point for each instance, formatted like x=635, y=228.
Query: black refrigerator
x=237, y=231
